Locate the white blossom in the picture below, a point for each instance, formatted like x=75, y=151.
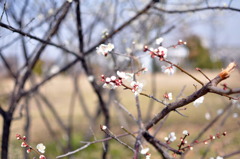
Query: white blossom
x=172, y=137
x=198, y=101
x=90, y=78
x=113, y=78
x=235, y=115
x=40, y=16
x=148, y=156
x=144, y=150
x=136, y=87
x=105, y=49
x=124, y=75
x=109, y=85
x=104, y=127
x=166, y=138
x=129, y=50
x=105, y=33
x=159, y=40
x=207, y=116
x=162, y=51
x=219, y=157
x=219, y=111
x=234, y=101
x=50, y=11
x=170, y=96
x=185, y=132
x=41, y=148
x=168, y=70
x=54, y=69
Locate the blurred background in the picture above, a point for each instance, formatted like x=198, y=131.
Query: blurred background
x=65, y=109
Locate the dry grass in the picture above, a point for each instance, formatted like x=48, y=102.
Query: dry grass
x=59, y=92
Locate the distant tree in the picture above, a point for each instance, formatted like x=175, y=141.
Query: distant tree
x=199, y=56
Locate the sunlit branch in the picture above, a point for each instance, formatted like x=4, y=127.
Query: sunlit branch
x=181, y=69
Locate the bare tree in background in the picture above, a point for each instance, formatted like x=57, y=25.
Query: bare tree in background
x=71, y=31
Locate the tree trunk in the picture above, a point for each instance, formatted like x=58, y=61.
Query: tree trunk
x=5, y=136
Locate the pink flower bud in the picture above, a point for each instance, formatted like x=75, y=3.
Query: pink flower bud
x=42, y=157
x=18, y=137
x=24, y=144
x=28, y=150
x=145, y=48
x=24, y=138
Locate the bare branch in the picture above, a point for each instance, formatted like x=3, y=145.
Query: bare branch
x=196, y=9
x=38, y=39
x=7, y=66
x=89, y=143
x=232, y=154
x=120, y=28
x=158, y=145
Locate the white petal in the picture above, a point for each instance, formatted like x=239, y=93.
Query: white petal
x=159, y=41
x=144, y=151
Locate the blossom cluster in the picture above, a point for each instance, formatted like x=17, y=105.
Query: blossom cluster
x=183, y=147
x=171, y=137
x=145, y=152
x=160, y=52
x=105, y=49
x=40, y=148
x=114, y=82
x=169, y=70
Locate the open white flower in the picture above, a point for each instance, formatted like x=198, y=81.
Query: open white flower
x=136, y=87
x=185, y=132
x=105, y=49
x=170, y=96
x=148, y=156
x=41, y=148
x=208, y=116
x=219, y=157
x=172, y=137
x=167, y=97
x=144, y=150
x=90, y=78
x=109, y=85
x=162, y=51
x=198, y=101
x=168, y=70
x=124, y=75
x=104, y=127
x=159, y=40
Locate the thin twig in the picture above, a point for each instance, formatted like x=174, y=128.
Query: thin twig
x=124, y=109
x=198, y=69
x=87, y=143
x=109, y=133
x=181, y=69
